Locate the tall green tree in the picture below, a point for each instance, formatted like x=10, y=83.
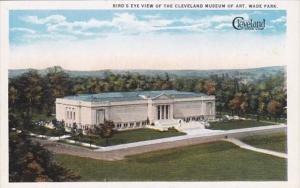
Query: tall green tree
x=30, y=162
x=56, y=85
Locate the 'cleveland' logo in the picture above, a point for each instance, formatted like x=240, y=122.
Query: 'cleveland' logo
x=239, y=23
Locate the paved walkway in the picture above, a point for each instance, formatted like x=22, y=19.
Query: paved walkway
x=119, y=152
x=201, y=133
x=249, y=147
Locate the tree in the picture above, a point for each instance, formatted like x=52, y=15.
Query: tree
x=56, y=84
x=274, y=108
x=13, y=94
x=210, y=87
x=30, y=162
x=263, y=99
x=59, y=127
x=90, y=132
x=30, y=84
x=106, y=131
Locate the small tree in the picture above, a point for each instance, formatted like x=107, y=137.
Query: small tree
x=274, y=108
x=74, y=128
x=90, y=132
x=106, y=131
x=74, y=131
x=55, y=123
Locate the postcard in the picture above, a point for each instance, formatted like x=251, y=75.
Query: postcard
x=150, y=93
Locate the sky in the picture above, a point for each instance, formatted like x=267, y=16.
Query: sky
x=144, y=39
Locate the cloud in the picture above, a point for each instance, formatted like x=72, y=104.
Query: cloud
x=22, y=29
x=48, y=37
x=223, y=25
x=279, y=20
x=124, y=22
x=49, y=19
x=189, y=51
x=127, y=23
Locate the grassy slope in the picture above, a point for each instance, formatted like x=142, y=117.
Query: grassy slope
x=237, y=124
x=205, y=162
x=276, y=142
x=129, y=136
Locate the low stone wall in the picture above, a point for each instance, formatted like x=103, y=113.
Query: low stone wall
x=81, y=143
x=52, y=138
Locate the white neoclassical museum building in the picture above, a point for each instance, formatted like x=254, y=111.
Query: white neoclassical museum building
x=135, y=109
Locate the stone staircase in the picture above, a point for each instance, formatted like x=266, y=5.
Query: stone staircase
x=164, y=125
x=180, y=125
x=190, y=125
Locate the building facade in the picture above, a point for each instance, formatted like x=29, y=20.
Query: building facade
x=134, y=109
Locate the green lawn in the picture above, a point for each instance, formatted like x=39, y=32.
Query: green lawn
x=129, y=136
x=237, y=124
x=219, y=161
x=276, y=142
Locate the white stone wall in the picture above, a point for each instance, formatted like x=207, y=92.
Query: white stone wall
x=134, y=111
x=187, y=109
x=59, y=111
x=128, y=113
x=86, y=116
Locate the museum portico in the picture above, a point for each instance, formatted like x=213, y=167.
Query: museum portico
x=134, y=109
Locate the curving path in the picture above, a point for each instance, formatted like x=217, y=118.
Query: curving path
x=119, y=152
x=249, y=147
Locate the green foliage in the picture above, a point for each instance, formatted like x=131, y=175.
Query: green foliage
x=32, y=93
x=275, y=141
x=217, y=161
x=30, y=162
x=128, y=136
x=237, y=124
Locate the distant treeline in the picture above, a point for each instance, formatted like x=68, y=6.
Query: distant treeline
x=32, y=92
x=250, y=73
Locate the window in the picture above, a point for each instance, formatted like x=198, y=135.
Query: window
x=74, y=115
x=131, y=125
x=162, y=112
x=125, y=125
x=137, y=124
x=119, y=125
x=209, y=107
x=100, y=116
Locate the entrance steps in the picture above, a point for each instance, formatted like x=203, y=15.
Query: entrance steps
x=191, y=126
x=180, y=125
x=164, y=125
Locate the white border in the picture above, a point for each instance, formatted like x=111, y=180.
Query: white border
x=292, y=50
